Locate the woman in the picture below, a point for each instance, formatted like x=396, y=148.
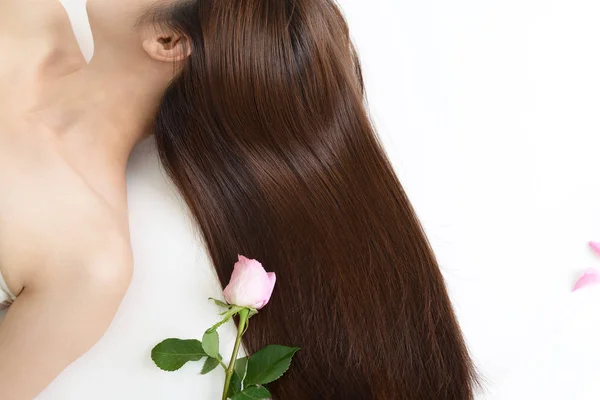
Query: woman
x=258, y=113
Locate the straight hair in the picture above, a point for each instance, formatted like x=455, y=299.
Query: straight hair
x=265, y=132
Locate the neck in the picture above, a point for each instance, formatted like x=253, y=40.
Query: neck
x=107, y=104
x=99, y=113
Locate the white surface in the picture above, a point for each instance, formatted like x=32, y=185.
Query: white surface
x=489, y=111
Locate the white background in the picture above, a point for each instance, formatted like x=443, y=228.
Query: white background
x=489, y=111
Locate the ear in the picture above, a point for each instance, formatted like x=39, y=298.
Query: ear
x=167, y=47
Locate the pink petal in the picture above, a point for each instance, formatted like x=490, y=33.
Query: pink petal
x=250, y=285
x=590, y=277
x=595, y=246
x=269, y=287
x=272, y=278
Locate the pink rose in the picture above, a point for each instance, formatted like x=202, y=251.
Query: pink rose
x=250, y=285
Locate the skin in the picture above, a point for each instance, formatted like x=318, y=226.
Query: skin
x=66, y=131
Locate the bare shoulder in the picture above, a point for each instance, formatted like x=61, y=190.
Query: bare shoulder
x=91, y=255
x=93, y=249
x=109, y=266
x=55, y=229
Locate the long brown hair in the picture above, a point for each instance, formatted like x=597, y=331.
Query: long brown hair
x=265, y=132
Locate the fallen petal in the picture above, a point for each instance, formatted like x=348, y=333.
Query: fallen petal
x=589, y=278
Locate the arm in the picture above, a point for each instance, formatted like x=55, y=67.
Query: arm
x=49, y=327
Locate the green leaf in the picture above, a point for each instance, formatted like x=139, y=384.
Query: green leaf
x=240, y=367
x=269, y=363
x=253, y=393
x=228, y=314
x=220, y=303
x=171, y=354
x=210, y=343
x=210, y=364
x=239, y=371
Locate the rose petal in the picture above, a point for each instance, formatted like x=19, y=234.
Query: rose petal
x=272, y=278
x=595, y=246
x=269, y=286
x=589, y=278
x=250, y=285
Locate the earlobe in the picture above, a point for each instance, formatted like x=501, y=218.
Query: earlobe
x=167, y=48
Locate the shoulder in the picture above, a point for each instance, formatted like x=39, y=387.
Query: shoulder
x=98, y=258
x=111, y=264
x=104, y=273
x=105, y=262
